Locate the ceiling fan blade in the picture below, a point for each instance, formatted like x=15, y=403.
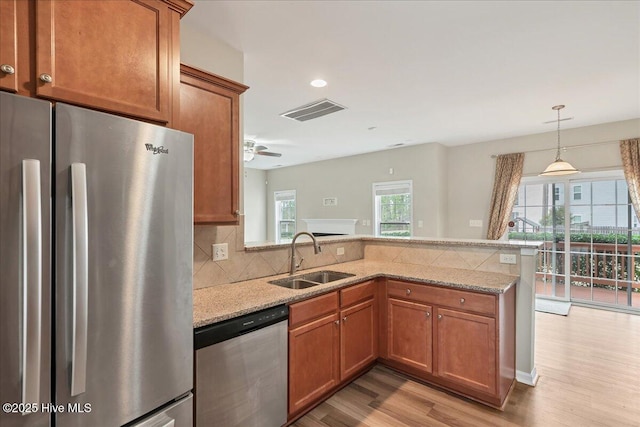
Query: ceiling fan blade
x=260, y=148
x=268, y=153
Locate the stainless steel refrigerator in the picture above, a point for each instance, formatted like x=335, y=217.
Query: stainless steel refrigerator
x=96, y=243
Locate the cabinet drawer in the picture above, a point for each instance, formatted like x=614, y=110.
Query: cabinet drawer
x=357, y=293
x=462, y=300
x=304, y=311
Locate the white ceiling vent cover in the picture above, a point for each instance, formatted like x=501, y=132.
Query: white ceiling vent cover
x=313, y=110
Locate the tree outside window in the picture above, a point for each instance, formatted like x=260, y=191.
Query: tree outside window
x=393, y=208
x=285, y=206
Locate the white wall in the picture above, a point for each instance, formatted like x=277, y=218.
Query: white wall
x=451, y=185
x=210, y=54
x=255, y=205
x=470, y=169
x=350, y=179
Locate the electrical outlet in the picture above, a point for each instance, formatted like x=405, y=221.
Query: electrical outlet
x=507, y=258
x=420, y=223
x=340, y=251
x=330, y=201
x=220, y=251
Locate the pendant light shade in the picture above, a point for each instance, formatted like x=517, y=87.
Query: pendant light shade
x=559, y=166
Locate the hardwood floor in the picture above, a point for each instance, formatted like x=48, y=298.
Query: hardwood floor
x=589, y=367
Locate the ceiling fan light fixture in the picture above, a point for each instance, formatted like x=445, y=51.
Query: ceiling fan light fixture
x=251, y=150
x=559, y=167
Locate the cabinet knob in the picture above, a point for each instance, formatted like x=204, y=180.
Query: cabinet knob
x=461, y=300
x=428, y=314
x=46, y=78
x=7, y=69
x=337, y=322
x=344, y=319
x=439, y=316
x=237, y=212
x=408, y=291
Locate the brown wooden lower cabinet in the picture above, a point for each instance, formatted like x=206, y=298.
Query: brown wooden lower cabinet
x=409, y=334
x=357, y=338
x=332, y=338
x=460, y=340
x=313, y=361
x=466, y=346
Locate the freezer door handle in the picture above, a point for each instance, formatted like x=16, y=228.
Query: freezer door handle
x=31, y=281
x=80, y=272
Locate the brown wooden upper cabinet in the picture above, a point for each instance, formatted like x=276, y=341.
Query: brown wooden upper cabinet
x=117, y=56
x=210, y=110
x=9, y=44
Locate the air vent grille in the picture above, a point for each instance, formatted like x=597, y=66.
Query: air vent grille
x=313, y=110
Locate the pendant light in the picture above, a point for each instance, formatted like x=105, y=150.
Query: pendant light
x=559, y=166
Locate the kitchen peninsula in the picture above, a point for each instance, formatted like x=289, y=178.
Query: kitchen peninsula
x=471, y=266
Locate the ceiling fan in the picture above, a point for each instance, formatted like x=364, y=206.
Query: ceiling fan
x=251, y=149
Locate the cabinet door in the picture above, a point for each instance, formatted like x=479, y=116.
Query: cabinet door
x=111, y=55
x=209, y=109
x=409, y=331
x=313, y=361
x=357, y=338
x=8, y=45
x=466, y=349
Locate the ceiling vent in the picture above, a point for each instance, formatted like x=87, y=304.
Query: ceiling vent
x=313, y=110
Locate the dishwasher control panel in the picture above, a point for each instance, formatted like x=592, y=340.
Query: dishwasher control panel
x=227, y=329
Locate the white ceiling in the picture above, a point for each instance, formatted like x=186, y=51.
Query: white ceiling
x=452, y=72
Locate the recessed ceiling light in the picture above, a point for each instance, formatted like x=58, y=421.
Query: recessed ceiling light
x=318, y=83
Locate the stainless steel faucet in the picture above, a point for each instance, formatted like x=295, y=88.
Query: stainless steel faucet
x=316, y=250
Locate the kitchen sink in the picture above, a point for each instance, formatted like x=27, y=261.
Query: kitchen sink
x=308, y=280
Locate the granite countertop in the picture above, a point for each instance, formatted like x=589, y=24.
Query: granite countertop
x=222, y=302
x=444, y=241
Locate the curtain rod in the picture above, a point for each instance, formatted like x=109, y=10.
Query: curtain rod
x=569, y=147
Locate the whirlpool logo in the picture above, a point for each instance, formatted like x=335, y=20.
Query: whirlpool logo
x=156, y=150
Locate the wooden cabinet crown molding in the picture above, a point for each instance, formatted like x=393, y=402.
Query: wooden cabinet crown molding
x=180, y=6
x=205, y=76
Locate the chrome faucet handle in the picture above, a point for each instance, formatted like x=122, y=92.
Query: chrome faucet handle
x=299, y=263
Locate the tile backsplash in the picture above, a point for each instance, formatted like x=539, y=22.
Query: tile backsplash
x=245, y=265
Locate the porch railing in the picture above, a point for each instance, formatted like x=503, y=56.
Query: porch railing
x=603, y=264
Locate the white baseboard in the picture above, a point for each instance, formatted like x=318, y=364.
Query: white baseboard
x=528, y=378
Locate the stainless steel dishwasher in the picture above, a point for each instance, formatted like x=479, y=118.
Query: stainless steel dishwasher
x=241, y=371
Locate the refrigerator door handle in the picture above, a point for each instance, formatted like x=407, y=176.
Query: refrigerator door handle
x=31, y=282
x=80, y=271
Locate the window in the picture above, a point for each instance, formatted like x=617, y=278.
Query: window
x=393, y=208
x=285, y=202
x=591, y=242
x=577, y=192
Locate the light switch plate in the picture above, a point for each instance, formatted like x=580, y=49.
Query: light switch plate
x=330, y=201
x=475, y=223
x=220, y=251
